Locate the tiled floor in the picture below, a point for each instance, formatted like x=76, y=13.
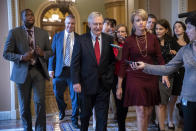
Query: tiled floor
x=53, y=124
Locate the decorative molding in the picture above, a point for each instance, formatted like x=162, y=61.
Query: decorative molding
x=46, y=4
x=114, y=4
x=7, y=115
x=112, y=1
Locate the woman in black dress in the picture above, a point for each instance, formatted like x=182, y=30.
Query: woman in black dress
x=163, y=33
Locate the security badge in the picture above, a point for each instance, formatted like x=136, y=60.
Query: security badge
x=184, y=102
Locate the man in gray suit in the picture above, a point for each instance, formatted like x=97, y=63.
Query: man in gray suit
x=29, y=48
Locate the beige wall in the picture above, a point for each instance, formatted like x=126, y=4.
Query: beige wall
x=152, y=9
x=5, y=99
x=165, y=10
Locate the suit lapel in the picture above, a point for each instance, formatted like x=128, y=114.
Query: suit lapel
x=61, y=44
x=89, y=45
x=24, y=36
x=103, y=47
x=36, y=35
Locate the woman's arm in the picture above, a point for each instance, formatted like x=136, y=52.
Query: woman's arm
x=167, y=69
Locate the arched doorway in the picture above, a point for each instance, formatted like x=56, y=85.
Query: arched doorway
x=53, y=17
x=48, y=5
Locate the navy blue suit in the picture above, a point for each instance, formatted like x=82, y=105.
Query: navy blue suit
x=62, y=75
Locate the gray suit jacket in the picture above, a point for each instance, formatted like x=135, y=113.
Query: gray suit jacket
x=16, y=45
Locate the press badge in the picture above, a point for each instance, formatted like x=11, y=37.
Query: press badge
x=184, y=102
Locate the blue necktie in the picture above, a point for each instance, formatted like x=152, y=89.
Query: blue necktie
x=67, y=51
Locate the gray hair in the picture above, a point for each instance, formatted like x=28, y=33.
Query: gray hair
x=93, y=15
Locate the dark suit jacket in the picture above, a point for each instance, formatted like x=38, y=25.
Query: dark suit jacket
x=84, y=67
x=56, y=61
x=17, y=45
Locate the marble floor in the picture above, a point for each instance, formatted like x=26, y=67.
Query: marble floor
x=53, y=124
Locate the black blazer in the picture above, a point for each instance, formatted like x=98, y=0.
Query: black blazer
x=84, y=67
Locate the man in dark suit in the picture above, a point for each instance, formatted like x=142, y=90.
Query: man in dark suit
x=59, y=68
x=29, y=48
x=92, y=71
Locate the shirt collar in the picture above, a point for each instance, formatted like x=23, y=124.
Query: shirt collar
x=32, y=29
x=66, y=33
x=94, y=36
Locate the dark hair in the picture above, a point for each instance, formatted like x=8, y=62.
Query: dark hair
x=106, y=20
x=121, y=25
x=113, y=22
x=152, y=16
x=23, y=11
x=186, y=39
x=191, y=19
x=165, y=24
x=116, y=30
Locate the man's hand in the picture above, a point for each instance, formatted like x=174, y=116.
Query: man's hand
x=28, y=56
x=51, y=74
x=39, y=51
x=77, y=88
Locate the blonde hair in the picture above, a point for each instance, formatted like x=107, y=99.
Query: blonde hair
x=139, y=12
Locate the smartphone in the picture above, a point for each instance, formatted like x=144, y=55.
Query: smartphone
x=130, y=62
x=116, y=46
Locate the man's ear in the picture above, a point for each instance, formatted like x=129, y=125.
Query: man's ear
x=89, y=25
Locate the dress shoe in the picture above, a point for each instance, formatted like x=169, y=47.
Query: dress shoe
x=171, y=127
x=61, y=115
x=75, y=125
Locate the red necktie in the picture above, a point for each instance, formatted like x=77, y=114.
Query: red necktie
x=97, y=50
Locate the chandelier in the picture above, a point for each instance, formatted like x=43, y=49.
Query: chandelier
x=64, y=1
x=63, y=6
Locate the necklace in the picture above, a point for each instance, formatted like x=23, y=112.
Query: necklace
x=140, y=41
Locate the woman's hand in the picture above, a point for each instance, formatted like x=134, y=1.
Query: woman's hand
x=165, y=80
x=173, y=52
x=119, y=93
x=119, y=88
x=137, y=65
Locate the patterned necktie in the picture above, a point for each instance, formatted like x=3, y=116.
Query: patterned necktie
x=31, y=46
x=67, y=51
x=30, y=39
x=97, y=50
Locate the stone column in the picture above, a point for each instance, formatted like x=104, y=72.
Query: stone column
x=13, y=21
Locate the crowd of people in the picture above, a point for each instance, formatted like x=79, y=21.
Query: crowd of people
x=104, y=59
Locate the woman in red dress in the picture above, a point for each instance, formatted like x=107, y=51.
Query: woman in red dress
x=141, y=89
